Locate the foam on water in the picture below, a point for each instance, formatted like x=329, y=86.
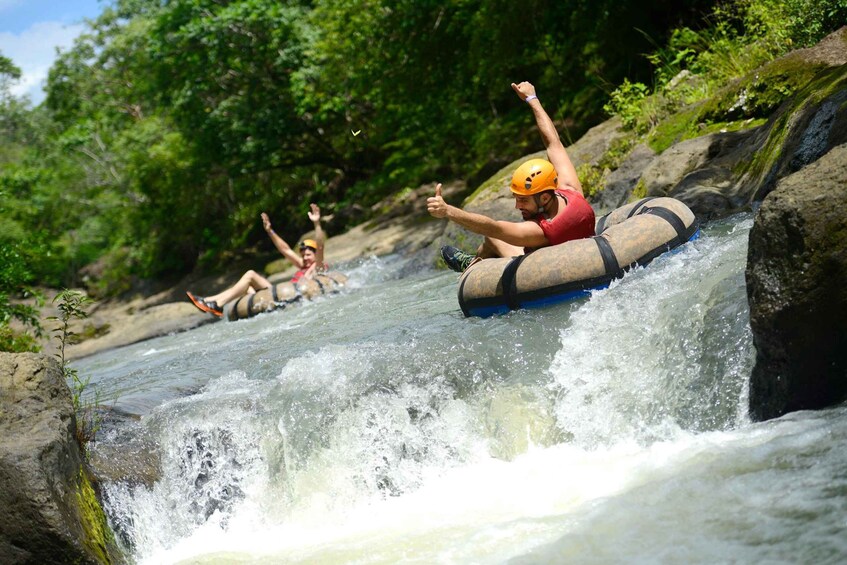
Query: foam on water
x=379, y=426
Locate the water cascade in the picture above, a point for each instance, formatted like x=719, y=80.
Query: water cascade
x=381, y=426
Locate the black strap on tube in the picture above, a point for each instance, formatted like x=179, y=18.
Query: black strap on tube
x=233, y=314
x=670, y=217
x=610, y=260
x=601, y=225
x=250, y=299
x=274, y=294
x=509, y=282
x=638, y=205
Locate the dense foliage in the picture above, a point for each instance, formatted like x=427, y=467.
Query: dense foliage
x=741, y=36
x=16, y=254
x=171, y=124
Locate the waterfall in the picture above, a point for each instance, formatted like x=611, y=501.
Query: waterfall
x=380, y=426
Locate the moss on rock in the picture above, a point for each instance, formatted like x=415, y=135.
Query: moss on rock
x=639, y=192
x=677, y=127
x=783, y=125
x=98, y=536
x=759, y=93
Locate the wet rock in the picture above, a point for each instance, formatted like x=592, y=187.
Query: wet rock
x=706, y=191
x=813, y=142
x=129, y=458
x=593, y=145
x=700, y=172
x=50, y=513
x=621, y=182
x=796, y=275
x=668, y=169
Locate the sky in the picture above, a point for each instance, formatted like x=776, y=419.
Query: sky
x=30, y=32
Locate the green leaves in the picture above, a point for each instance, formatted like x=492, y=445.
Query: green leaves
x=15, y=279
x=169, y=126
x=625, y=102
x=225, y=69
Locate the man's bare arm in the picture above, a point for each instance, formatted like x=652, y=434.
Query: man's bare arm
x=525, y=234
x=556, y=152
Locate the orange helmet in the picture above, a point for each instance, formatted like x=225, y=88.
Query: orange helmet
x=309, y=243
x=534, y=176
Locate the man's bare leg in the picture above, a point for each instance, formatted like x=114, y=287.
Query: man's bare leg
x=496, y=248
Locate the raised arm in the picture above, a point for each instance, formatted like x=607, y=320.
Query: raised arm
x=524, y=234
x=281, y=245
x=320, y=236
x=556, y=152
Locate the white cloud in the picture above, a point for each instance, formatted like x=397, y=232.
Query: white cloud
x=34, y=50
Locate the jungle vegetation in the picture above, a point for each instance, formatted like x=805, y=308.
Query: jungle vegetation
x=171, y=124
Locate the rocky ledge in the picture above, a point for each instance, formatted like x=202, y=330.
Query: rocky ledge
x=50, y=511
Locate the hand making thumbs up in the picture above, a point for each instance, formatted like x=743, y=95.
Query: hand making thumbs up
x=435, y=205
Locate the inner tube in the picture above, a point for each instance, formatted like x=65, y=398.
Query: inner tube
x=282, y=295
x=629, y=236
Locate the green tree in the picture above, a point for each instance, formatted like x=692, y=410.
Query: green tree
x=15, y=276
x=184, y=111
x=176, y=123
x=15, y=279
x=428, y=81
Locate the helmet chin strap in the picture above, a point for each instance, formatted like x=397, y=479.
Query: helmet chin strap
x=543, y=207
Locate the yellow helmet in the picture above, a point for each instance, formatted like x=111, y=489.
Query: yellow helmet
x=309, y=243
x=534, y=176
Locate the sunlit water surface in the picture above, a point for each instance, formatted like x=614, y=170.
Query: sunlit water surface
x=380, y=426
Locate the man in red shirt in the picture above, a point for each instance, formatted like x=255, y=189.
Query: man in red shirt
x=547, y=193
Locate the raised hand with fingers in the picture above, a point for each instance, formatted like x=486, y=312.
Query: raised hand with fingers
x=435, y=205
x=314, y=213
x=266, y=222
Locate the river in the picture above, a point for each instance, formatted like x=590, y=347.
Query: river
x=381, y=426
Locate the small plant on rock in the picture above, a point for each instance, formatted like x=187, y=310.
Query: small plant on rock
x=626, y=102
x=71, y=305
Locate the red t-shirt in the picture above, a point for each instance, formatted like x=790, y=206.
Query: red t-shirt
x=576, y=221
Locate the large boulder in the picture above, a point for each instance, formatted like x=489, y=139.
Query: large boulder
x=50, y=511
x=797, y=289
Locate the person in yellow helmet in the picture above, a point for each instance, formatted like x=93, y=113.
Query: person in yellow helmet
x=547, y=194
x=309, y=261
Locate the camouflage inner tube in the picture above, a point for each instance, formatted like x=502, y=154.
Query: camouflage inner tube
x=631, y=235
x=284, y=294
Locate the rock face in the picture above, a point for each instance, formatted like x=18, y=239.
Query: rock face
x=50, y=513
x=725, y=172
x=621, y=182
x=699, y=172
x=796, y=275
